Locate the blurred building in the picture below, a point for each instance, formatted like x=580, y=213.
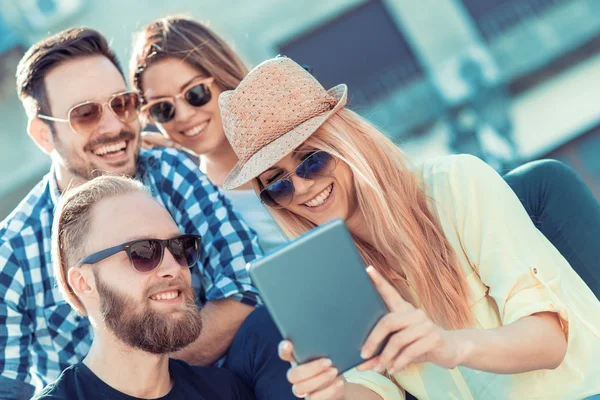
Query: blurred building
x=505, y=79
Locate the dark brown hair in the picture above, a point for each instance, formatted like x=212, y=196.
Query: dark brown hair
x=47, y=54
x=190, y=41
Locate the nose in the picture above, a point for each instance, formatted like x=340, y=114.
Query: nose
x=169, y=268
x=109, y=123
x=301, y=186
x=183, y=110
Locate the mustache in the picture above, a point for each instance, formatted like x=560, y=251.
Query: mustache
x=104, y=140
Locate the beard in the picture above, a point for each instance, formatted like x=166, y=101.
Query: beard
x=86, y=170
x=148, y=329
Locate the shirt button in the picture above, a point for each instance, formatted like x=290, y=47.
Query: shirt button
x=535, y=270
x=78, y=319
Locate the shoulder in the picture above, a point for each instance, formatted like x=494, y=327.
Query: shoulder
x=160, y=157
x=27, y=219
x=456, y=174
x=176, y=168
x=61, y=388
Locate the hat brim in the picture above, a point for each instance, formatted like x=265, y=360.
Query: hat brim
x=273, y=152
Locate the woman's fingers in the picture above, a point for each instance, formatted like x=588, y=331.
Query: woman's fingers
x=412, y=352
x=286, y=351
x=308, y=370
x=315, y=382
x=388, y=293
x=390, y=323
x=419, y=327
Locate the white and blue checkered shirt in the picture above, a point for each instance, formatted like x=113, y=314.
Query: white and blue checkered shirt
x=40, y=335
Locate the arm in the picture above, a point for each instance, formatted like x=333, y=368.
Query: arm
x=532, y=343
x=220, y=322
x=15, y=330
x=512, y=258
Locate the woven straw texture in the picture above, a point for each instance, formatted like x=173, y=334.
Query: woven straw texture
x=275, y=108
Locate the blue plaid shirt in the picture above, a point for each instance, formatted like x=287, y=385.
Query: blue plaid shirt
x=40, y=335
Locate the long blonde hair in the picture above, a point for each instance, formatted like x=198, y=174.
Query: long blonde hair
x=408, y=239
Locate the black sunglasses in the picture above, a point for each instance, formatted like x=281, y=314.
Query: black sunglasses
x=162, y=110
x=146, y=255
x=280, y=193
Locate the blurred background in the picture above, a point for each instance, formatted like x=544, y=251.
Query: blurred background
x=507, y=80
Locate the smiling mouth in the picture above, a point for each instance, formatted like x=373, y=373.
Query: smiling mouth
x=195, y=131
x=321, y=198
x=168, y=295
x=111, y=150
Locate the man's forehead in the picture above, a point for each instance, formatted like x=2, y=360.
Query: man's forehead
x=131, y=217
x=90, y=78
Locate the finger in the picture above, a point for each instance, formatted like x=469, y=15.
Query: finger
x=402, y=339
x=387, y=325
x=308, y=370
x=333, y=391
x=388, y=293
x=316, y=383
x=413, y=352
x=286, y=351
x=370, y=364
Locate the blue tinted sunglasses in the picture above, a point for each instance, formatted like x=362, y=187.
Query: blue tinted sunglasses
x=280, y=193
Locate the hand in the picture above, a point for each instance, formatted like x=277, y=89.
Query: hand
x=413, y=337
x=155, y=139
x=317, y=380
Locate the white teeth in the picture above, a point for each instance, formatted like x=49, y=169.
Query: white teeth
x=196, y=130
x=320, y=198
x=110, y=149
x=165, y=295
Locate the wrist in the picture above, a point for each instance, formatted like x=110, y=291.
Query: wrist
x=464, y=346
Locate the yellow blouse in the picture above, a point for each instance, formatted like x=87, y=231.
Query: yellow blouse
x=512, y=271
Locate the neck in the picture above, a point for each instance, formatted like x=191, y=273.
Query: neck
x=65, y=179
x=219, y=163
x=359, y=228
x=129, y=370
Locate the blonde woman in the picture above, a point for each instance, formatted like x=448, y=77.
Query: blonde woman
x=482, y=306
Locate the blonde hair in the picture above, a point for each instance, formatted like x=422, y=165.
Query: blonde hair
x=190, y=41
x=72, y=223
x=408, y=239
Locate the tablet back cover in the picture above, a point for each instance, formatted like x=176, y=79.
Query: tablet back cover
x=318, y=292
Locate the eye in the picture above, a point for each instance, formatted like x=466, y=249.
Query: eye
x=273, y=177
x=307, y=154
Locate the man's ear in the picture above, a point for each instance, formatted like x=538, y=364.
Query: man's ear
x=81, y=281
x=41, y=134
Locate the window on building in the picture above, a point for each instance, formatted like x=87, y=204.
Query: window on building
x=494, y=17
x=363, y=48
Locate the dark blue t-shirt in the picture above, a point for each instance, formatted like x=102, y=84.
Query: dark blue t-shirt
x=210, y=383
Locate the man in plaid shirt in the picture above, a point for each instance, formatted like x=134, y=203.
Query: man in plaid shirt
x=81, y=114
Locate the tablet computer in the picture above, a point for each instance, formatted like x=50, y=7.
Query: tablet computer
x=319, y=295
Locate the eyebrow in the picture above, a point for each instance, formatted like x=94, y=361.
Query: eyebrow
x=142, y=237
x=150, y=97
x=99, y=101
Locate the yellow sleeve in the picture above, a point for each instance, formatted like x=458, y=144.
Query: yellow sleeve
x=375, y=382
x=521, y=268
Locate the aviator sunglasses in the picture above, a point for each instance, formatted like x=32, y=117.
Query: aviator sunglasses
x=83, y=118
x=146, y=255
x=162, y=110
x=280, y=193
